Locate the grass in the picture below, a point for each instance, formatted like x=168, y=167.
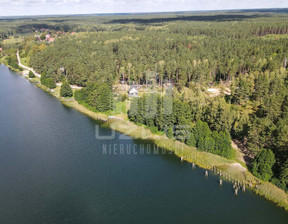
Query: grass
x=25, y=61
x=12, y=40
x=71, y=102
x=2, y=60
x=120, y=108
x=274, y=36
x=273, y=193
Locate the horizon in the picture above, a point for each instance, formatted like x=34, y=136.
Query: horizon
x=143, y=13
x=107, y=7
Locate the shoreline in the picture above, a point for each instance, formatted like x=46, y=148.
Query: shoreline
x=227, y=169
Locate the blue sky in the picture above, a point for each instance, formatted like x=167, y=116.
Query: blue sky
x=46, y=7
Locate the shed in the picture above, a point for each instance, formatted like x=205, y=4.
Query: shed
x=133, y=92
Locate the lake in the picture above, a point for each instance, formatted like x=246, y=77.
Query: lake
x=54, y=170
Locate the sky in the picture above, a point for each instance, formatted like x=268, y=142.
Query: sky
x=54, y=7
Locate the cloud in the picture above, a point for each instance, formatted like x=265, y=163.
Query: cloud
x=44, y=7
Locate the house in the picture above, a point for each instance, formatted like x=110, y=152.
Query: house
x=133, y=92
x=51, y=39
x=48, y=37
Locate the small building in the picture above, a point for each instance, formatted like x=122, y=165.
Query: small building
x=62, y=70
x=133, y=92
x=48, y=37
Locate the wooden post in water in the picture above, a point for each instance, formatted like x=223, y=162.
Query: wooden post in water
x=206, y=173
x=221, y=182
x=236, y=191
x=193, y=165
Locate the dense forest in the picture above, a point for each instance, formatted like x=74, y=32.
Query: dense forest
x=246, y=53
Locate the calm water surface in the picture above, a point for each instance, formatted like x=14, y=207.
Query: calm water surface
x=54, y=170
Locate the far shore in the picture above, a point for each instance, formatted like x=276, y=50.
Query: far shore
x=229, y=170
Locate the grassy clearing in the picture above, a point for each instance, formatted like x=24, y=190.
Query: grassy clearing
x=120, y=108
x=12, y=40
x=25, y=61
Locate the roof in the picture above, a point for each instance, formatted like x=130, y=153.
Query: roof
x=51, y=39
x=131, y=88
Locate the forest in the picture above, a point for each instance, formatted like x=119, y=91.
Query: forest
x=244, y=52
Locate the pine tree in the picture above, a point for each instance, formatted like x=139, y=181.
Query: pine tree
x=263, y=163
x=284, y=173
x=170, y=132
x=133, y=111
x=191, y=140
x=31, y=75
x=66, y=90
x=101, y=97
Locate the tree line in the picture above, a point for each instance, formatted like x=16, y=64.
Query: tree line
x=174, y=118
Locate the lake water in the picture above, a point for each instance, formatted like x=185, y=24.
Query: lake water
x=54, y=170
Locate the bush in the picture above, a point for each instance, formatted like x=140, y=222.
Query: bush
x=31, y=75
x=66, y=90
x=80, y=95
x=279, y=183
x=42, y=78
x=124, y=97
x=154, y=129
x=263, y=171
x=48, y=82
x=97, y=96
x=170, y=132
x=262, y=165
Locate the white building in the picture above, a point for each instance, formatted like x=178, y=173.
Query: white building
x=133, y=92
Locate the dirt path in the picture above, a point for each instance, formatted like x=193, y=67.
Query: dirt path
x=25, y=67
x=213, y=92
x=243, y=154
x=37, y=74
